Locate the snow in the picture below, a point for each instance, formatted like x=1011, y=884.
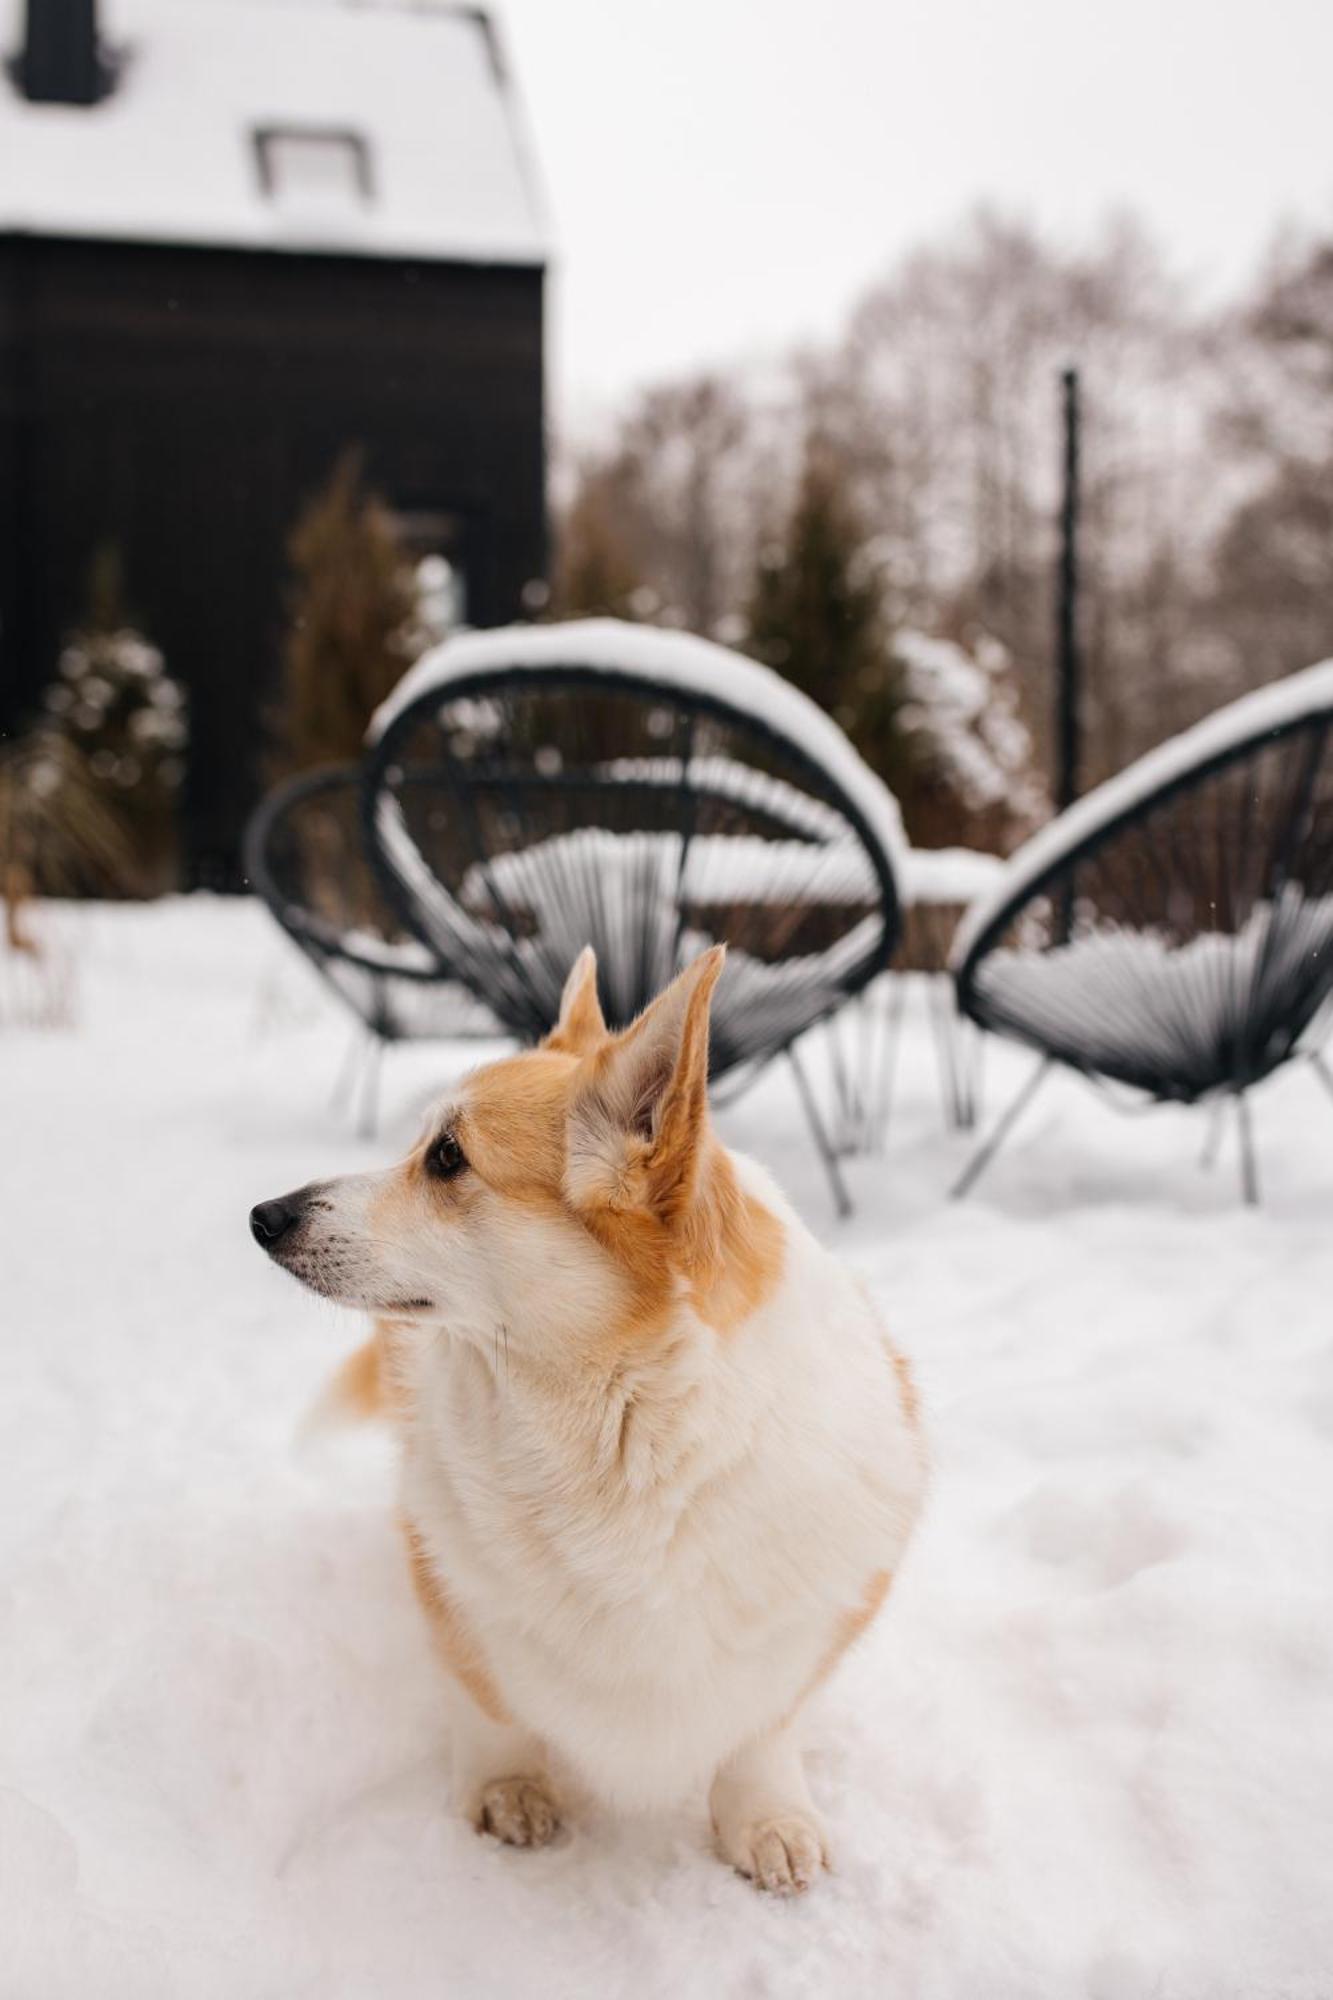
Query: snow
x=1281, y=703
x=405, y=955
x=170, y=156
x=1087, y=1752
x=964, y=706
x=719, y=869
x=735, y=868
x=947, y=874
x=729, y=778
x=677, y=659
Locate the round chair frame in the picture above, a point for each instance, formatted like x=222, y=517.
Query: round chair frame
x=493, y=664
x=370, y=994
x=1047, y=868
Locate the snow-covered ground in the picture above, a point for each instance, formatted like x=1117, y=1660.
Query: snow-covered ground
x=1088, y=1751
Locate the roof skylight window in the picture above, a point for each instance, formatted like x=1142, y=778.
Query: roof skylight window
x=321, y=170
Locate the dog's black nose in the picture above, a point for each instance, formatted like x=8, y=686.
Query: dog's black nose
x=271, y=1220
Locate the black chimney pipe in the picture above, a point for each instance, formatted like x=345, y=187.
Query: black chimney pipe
x=61, y=62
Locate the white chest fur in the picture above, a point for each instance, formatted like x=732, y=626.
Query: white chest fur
x=654, y=1560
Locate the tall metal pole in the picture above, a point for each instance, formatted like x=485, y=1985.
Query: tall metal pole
x=1068, y=744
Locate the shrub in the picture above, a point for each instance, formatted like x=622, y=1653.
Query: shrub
x=354, y=623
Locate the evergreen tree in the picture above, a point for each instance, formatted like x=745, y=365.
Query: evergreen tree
x=937, y=721
x=943, y=727
x=815, y=611
x=352, y=617
x=596, y=575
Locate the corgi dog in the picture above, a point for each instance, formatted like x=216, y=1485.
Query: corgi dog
x=659, y=1462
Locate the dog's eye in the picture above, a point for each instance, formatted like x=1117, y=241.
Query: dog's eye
x=445, y=1158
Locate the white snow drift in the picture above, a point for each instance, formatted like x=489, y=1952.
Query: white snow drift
x=1088, y=1752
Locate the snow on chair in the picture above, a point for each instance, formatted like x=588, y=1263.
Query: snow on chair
x=304, y=857
x=1173, y=931
x=538, y=788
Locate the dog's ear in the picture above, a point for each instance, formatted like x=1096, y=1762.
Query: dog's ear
x=640, y=1111
x=581, y=1027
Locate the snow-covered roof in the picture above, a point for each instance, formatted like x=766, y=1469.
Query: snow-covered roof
x=677, y=659
x=392, y=130
x=1266, y=710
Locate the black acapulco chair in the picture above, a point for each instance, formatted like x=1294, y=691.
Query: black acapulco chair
x=1173, y=931
x=305, y=859
x=535, y=789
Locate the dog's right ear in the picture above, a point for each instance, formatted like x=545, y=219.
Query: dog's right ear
x=581, y=1027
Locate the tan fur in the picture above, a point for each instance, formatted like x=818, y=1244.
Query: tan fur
x=852, y=1624
x=358, y=1387
x=512, y=1123
x=908, y=1393
x=731, y=1253
x=366, y=1386
x=581, y=1026
x=455, y=1644
x=666, y=1202
x=861, y=1616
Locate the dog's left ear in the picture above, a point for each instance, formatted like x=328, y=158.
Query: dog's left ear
x=581, y=1026
x=641, y=1112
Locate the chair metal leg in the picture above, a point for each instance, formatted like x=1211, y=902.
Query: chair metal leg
x=867, y=1017
x=1249, y=1169
x=881, y=1097
x=737, y=1082
x=951, y=1054
x=973, y=1044
x=986, y=1152
x=845, y=1105
x=944, y=1069
x=842, y=1200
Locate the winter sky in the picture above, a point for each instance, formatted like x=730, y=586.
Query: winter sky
x=725, y=176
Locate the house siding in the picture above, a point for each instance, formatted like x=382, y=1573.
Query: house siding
x=183, y=403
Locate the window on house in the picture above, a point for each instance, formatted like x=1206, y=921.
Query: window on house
x=313, y=167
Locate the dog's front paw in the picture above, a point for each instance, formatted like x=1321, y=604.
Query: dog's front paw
x=782, y=1855
x=519, y=1811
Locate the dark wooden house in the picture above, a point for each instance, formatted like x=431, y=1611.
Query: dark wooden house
x=236, y=237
